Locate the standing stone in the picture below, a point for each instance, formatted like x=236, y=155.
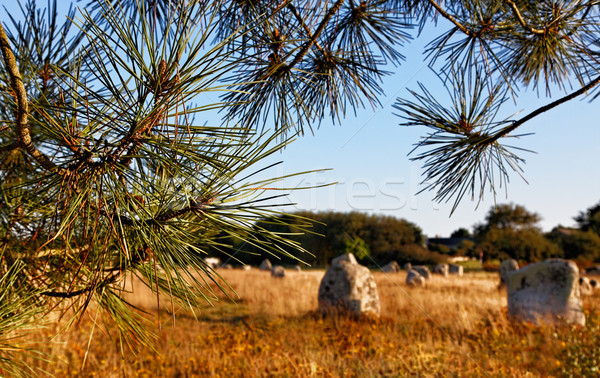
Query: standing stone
x=407, y=266
x=391, y=267
x=213, y=262
x=345, y=258
x=546, y=292
x=506, y=267
x=455, y=269
x=585, y=287
x=265, y=265
x=350, y=288
x=297, y=268
x=413, y=278
x=226, y=266
x=441, y=269
x=278, y=271
x=423, y=271
x=246, y=267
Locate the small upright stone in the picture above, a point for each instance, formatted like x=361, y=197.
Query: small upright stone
x=407, y=266
x=296, y=268
x=349, y=288
x=278, y=271
x=423, y=271
x=246, y=267
x=391, y=267
x=345, y=258
x=213, y=262
x=441, y=269
x=585, y=287
x=506, y=267
x=455, y=269
x=226, y=266
x=413, y=278
x=546, y=293
x=265, y=265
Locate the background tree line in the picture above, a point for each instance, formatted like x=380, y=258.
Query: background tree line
x=508, y=231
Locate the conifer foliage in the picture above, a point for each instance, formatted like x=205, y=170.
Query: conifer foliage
x=112, y=163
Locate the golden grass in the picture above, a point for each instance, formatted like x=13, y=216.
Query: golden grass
x=455, y=326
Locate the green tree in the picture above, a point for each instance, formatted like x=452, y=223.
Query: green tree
x=108, y=167
x=589, y=220
x=583, y=246
x=510, y=230
x=461, y=233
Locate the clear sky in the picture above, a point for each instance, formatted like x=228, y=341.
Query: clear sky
x=367, y=155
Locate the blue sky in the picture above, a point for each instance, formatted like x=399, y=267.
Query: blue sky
x=367, y=155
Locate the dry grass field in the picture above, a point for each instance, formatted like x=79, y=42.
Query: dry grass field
x=454, y=327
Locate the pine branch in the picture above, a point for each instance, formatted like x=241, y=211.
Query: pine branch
x=449, y=17
x=302, y=53
x=519, y=17
x=543, y=109
x=22, y=106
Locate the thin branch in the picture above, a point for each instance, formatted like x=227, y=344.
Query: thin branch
x=543, y=109
x=22, y=106
x=519, y=17
x=316, y=35
x=449, y=17
x=309, y=33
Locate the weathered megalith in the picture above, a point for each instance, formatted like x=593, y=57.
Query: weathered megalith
x=407, y=266
x=585, y=287
x=391, y=267
x=213, y=262
x=265, y=265
x=345, y=258
x=423, y=271
x=278, y=271
x=506, y=267
x=349, y=288
x=546, y=293
x=441, y=269
x=297, y=268
x=413, y=278
x=246, y=267
x=455, y=269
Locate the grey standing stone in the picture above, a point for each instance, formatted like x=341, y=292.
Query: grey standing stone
x=297, y=268
x=423, y=271
x=506, y=267
x=407, y=266
x=349, y=288
x=455, y=269
x=278, y=271
x=546, y=293
x=441, y=269
x=265, y=265
x=391, y=267
x=345, y=258
x=413, y=278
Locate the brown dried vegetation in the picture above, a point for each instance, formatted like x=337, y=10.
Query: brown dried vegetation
x=455, y=326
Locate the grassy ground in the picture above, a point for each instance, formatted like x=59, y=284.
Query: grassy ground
x=454, y=327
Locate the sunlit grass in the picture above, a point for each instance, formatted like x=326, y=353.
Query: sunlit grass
x=454, y=326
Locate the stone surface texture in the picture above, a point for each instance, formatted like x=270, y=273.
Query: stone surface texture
x=391, y=267
x=413, y=278
x=506, y=267
x=345, y=258
x=546, y=293
x=423, y=271
x=456, y=269
x=265, y=265
x=441, y=269
x=349, y=288
x=278, y=271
